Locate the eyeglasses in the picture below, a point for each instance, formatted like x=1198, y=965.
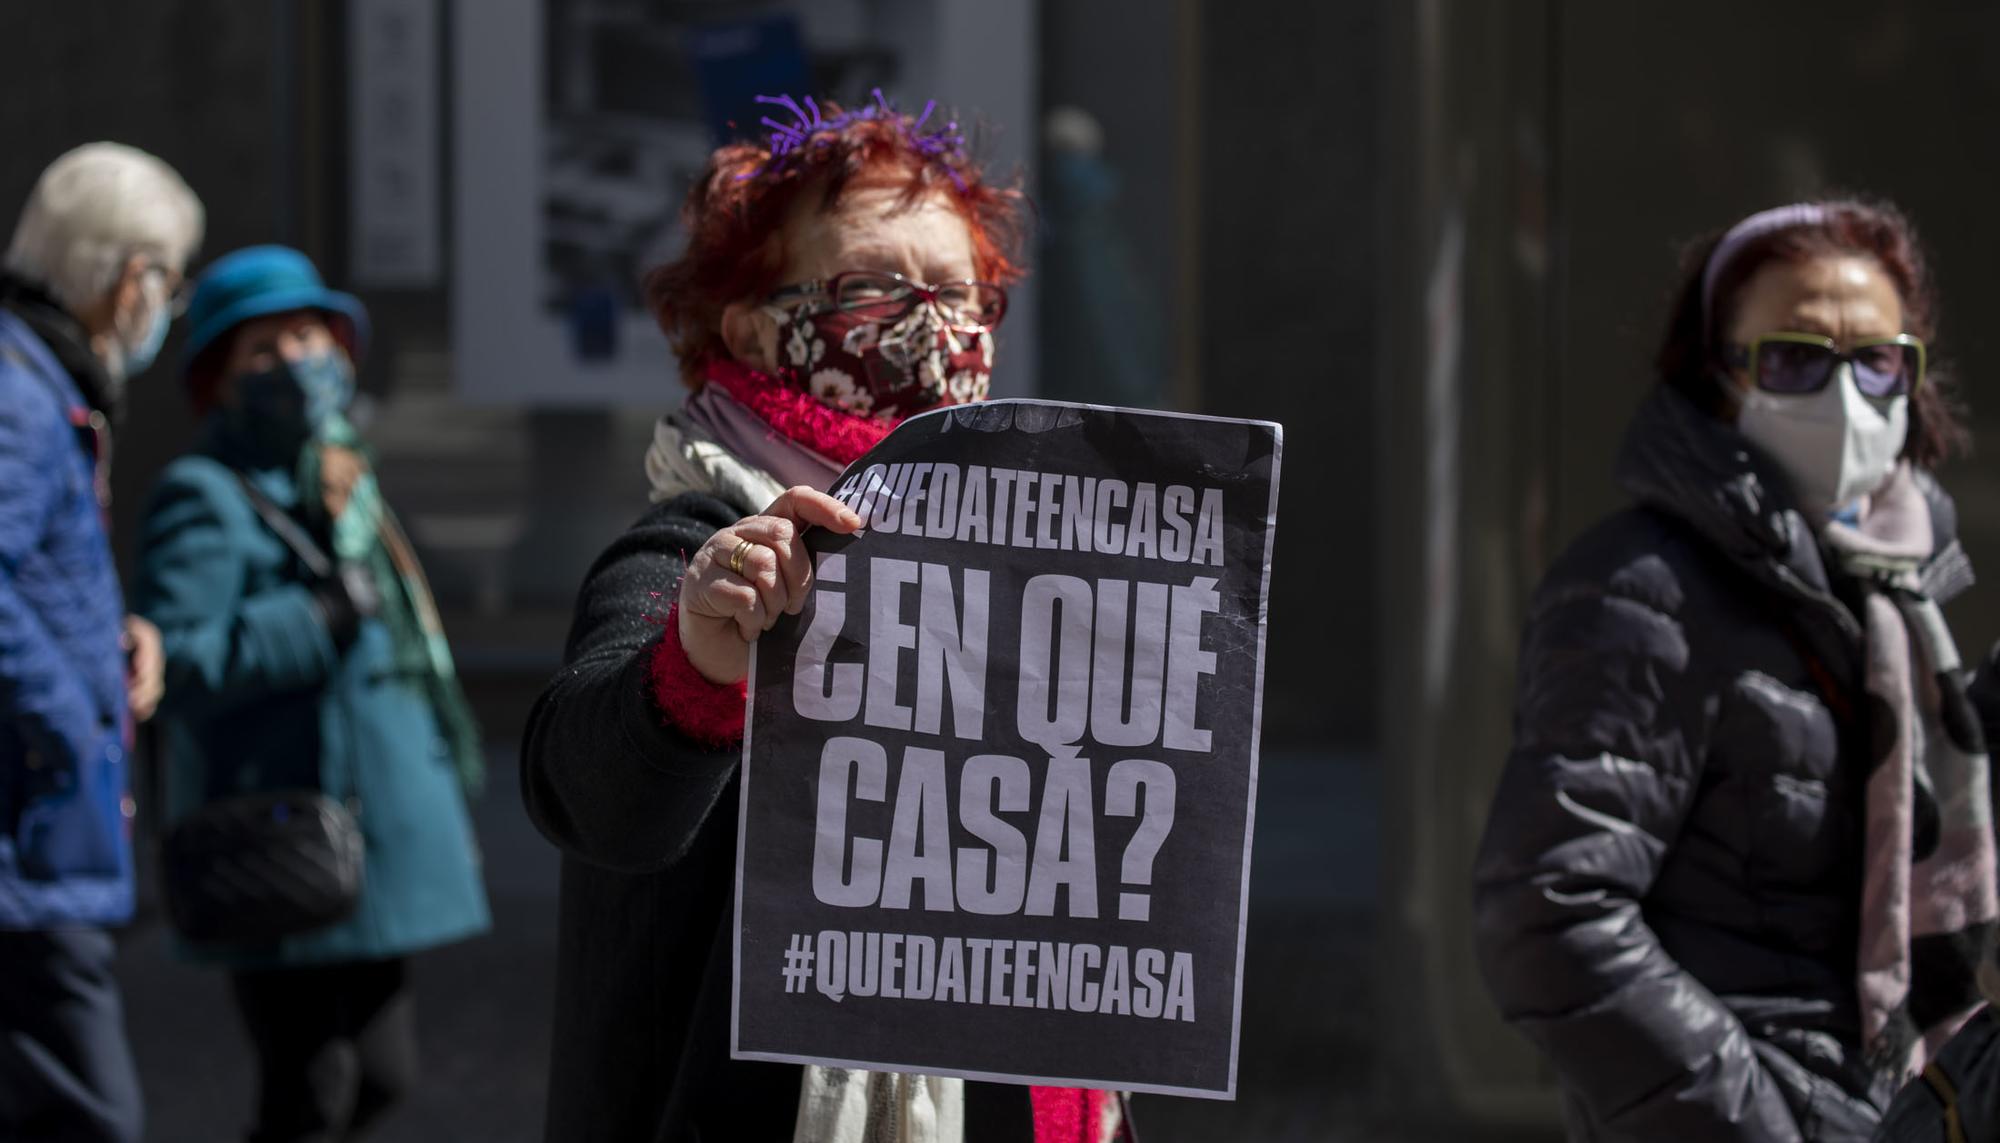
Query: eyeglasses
x=1794, y=363
x=180, y=296
x=969, y=306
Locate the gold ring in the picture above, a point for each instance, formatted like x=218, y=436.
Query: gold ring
x=736, y=557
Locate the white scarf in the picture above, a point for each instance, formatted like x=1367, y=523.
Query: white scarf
x=682, y=458
x=839, y=1105
x=716, y=444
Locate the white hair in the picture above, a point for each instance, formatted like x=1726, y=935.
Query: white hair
x=92, y=211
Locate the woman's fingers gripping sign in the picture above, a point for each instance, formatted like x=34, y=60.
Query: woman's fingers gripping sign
x=747, y=575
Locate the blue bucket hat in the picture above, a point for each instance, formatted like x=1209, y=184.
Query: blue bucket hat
x=258, y=281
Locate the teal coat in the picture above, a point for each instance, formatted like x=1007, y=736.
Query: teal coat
x=258, y=696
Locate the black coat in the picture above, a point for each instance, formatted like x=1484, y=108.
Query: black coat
x=1667, y=895
x=646, y=819
x=1967, y=1072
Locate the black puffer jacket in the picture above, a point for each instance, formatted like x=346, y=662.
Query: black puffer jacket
x=1667, y=894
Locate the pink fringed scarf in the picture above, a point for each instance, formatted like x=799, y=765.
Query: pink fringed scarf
x=1930, y=766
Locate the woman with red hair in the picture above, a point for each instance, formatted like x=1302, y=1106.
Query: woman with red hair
x=846, y=276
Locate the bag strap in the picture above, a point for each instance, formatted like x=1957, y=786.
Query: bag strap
x=1947, y=1094
x=303, y=546
x=288, y=530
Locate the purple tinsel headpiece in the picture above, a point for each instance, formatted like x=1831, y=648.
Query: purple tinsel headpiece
x=809, y=127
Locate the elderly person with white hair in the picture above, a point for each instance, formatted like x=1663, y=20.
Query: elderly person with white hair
x=86, y=295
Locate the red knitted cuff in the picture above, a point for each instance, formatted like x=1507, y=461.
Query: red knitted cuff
x=1071, y=1115
x=710, y=713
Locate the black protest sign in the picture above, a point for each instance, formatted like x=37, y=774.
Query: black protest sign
x=998, y=775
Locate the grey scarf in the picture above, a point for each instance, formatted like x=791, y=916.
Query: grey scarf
x=713, y=444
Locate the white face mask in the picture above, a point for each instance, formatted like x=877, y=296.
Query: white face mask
x=1835, y=446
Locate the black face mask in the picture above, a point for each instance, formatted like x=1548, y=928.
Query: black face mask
x=266, y=414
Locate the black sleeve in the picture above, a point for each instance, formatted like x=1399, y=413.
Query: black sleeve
x=1610, y=735
x=604, y=775
x=1963, y=1079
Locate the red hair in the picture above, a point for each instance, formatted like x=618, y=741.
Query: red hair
x=736, y=212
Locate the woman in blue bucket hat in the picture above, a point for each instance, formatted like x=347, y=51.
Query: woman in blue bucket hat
x=304, y=654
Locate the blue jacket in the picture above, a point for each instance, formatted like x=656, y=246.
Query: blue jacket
x=65, y=848
x=260, y=697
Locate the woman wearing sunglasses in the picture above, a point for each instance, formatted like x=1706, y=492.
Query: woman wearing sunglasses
x=846, y=276
x=1741, y=857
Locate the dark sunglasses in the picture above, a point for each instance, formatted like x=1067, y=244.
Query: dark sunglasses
x=1795, y=363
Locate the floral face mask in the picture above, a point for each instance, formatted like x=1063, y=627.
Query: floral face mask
x=885, y=367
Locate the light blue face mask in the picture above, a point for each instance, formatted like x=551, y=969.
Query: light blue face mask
x=138, y=358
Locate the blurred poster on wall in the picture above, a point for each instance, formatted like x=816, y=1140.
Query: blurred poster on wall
x=738, y=61
x=393, y=156
x=580, y=124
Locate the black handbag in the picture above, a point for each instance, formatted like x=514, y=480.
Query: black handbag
x=257, y=867
x=254, y=868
